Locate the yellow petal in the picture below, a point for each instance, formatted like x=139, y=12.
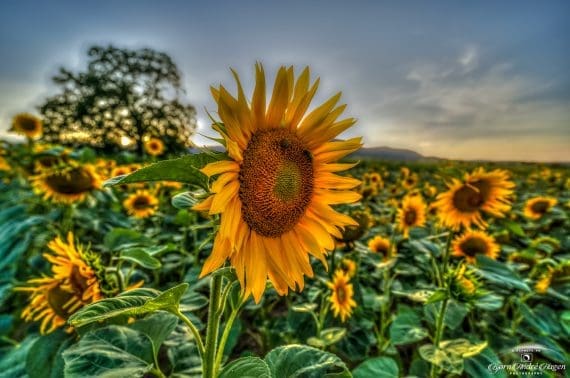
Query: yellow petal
x=222, y=198
x=218, y=167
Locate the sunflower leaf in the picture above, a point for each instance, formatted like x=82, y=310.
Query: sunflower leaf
x=141, y=257
x=246, y=367
x=304, y=361
x=130, y=303
x=185, y=169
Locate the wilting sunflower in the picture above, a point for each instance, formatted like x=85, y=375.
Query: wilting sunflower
x=73, y=283
x=141, y=204
x=68, y=184
x=481, y=191
x=154, y=147
x=536, y=207
x=275, y=194
x=341, y=299
x=464, y=285
x=473, y=243
x=28, y=125
x=412, y=213
x=381, y=245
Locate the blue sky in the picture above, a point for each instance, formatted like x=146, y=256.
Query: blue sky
x=454, y=79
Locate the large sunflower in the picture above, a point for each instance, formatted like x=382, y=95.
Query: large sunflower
x=465, y=201
x=141, y=204
x=341, y=299
x=274, y=195
x=412, y=213
x=27, y=125
x=72, y=284
x=536, y=207
x=67, y=185
x=473, y=243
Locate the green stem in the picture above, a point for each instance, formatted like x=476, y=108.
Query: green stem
x=225, y=335
x=439, y=330
x=194, y=331
x=209, y=364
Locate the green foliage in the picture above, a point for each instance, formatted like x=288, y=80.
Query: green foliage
x=304, y=361
x=378, y=367
x=246, y=367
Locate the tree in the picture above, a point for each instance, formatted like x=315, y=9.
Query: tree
x=124, y=97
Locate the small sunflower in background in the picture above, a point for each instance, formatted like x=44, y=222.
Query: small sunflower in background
x=341, y=299
x=27, y=125
x=536, y=207
x=410, y=181
x=411, y=214
x=558, y=274
x=141, y=204
x=381, y=245
x=67, y=185
x=275, y=193
x=72, y=284
x=480, y=192
x=4, y=165
x=154, y=147
x=473, y=243
x=349, y=267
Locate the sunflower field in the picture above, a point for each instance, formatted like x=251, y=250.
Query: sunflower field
x=283, y=256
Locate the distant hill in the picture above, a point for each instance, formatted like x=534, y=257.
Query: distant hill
x=388, y=153
x=376, y=153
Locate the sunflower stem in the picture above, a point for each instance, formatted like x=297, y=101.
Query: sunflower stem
x=226, y=334
x=194, y=331
x=439, y=330
x=209, y=361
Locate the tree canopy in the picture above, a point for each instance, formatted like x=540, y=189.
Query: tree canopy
x=123, y=98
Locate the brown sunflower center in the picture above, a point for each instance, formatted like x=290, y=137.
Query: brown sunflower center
x=276, y=181
x=57, y=298
x=154, y=146
x=410, y=217
x=471, y=196
x=141, y=202
x=78, y=281
x=473, y=246
x=28, y=124
x=75, y=181
x=341, y=294
x=540, y=207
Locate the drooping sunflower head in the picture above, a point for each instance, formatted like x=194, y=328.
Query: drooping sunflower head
x=552, y=276
x=465, y=201
x=341, y=299
x=464, y=286
x=381, y=245
x=27, y=125
x=536, y=207
x=141, y=204
x=274, y=195
x=154, y=147
x=412, y=213
x=69, y=184
x=72, y=284
x=473, y=243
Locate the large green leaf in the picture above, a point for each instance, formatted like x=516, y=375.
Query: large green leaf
x=140, y=257
x=110, y=352
x=134, y=302
x=185, y=169
x=44, y=358
x=122, y=238
x=499, y=273
x=451, y=353
x=377, y=367
x=482, y=365
x=246, y=367
x=157, y=327
x=304, y=361
x=406, y=328
x=13, y=359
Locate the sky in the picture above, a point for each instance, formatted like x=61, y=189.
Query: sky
x=452, y=79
